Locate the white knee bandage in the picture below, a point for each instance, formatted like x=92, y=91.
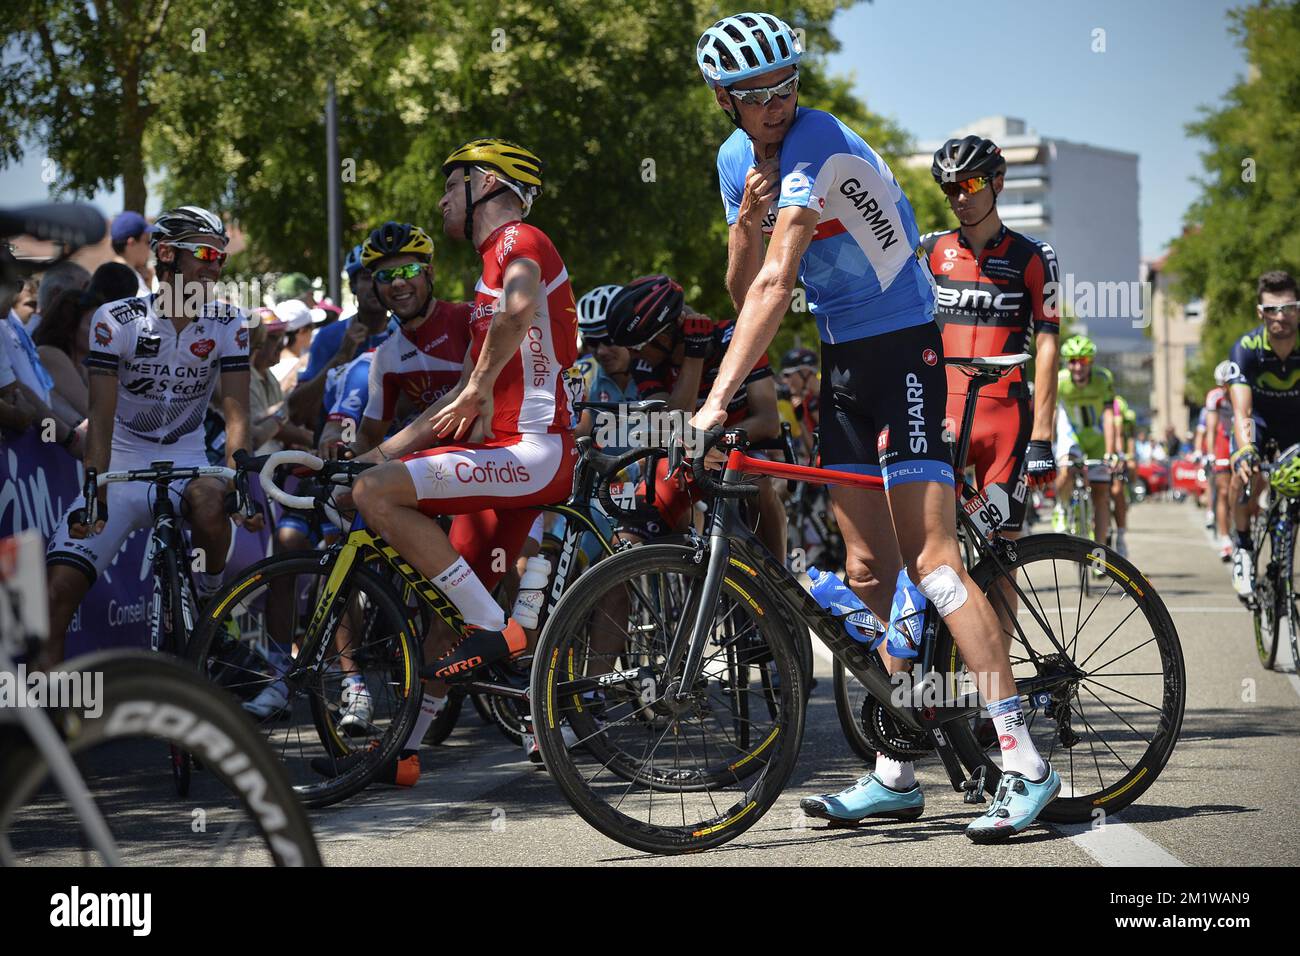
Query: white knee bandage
x=943, y=588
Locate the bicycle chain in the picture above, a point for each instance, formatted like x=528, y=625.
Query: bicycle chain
x=885, y=735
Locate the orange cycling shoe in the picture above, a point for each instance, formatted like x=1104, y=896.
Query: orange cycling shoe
x=478, y=649
x=402, y=771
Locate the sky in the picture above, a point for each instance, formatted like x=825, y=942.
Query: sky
x=934, y=67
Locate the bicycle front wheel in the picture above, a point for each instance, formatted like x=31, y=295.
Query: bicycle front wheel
x=1105, y=667
x=241, y=811
x=1270, y=604
x=255, y=640
x=655, y=774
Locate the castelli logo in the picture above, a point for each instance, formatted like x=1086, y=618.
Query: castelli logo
x=103, y=334
x=929, y=356
x=1007, y=742
x=202, y=347
x=882, y=441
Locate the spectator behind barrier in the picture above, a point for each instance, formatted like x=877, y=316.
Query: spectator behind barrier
x=62, y=342
x=65, y=275
x=130, y=236
x=267, y=413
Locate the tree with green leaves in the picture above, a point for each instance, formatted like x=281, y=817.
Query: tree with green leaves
x=1243, y=223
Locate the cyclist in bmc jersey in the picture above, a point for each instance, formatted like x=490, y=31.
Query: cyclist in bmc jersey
x=995, y=290
x=1086, y=396
x=507, y=420
x=839, y=222
x=1218, y=448
x=1265, y=389
x=153, y=363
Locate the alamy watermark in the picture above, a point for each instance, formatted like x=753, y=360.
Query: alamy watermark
x=68, y=690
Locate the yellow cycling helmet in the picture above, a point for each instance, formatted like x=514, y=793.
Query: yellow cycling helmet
x=395, y=238
x=1285, y=475
x=520, y=168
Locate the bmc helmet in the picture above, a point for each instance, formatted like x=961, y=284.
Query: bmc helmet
x=746, y=45
x=644, y=309
x=592, y=311
x=1078, y=346
x=799, y=358
x=395, y=238
x=176, y=224
x=963, y=158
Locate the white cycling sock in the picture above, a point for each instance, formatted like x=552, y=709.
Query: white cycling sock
x=463, y=588
x=206, y=583
x=895, y=774
x=430, y=707
x=1018, y=751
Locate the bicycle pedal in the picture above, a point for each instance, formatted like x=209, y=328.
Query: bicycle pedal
x=974, y=788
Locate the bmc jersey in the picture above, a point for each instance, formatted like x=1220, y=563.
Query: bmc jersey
x=989, y=302
x=1084, y=405
x=529, y=395
x=653, y=379
x=1274, y=384
x=423, y=364
x=165, y=377
x=860, y=272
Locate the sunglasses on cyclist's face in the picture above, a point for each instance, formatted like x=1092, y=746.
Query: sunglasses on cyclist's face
x=1082, y=361
x=1283, y=308
x=203, y=253
x=970, y=186
x=763, y=95
x=407, y=272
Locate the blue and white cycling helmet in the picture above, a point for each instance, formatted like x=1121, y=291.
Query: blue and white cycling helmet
x=746, y=45
x=1224, y=371
x=352, y=264
x=592, y=309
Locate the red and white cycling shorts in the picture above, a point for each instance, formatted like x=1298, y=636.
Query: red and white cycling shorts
x=1222, y=450
x=493, y=489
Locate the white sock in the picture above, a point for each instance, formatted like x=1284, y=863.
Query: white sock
x=463, y=588
x=206, y=583
x=895, y=774
x=1018, y=751
x=430, y=707
x=355, y=680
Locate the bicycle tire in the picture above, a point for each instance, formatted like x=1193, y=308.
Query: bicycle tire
x=177, y=605
x=776, y=753
x=147, y=695
x=1266, y=606
x=442, y=726
x=1074, y=807
x=850, y=716
x=406, y=661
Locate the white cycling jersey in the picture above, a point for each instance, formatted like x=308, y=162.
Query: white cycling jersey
x=165, y=377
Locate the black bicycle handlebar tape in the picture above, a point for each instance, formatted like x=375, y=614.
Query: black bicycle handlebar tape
x=740, y=489
x=90, y=491
x=621, y=463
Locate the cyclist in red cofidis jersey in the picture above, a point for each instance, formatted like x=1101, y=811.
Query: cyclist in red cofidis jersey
x=507, y=444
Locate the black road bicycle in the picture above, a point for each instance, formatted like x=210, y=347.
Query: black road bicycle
x=661, y=765
x=1273, y=536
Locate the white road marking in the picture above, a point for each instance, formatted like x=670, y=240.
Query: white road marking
x=1117, y=844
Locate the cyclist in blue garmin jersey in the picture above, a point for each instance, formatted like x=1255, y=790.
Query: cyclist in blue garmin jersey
x=835, y=218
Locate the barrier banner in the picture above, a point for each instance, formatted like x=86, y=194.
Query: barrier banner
x=38, y=484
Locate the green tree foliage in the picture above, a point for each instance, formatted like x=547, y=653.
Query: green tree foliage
x=1243, y=224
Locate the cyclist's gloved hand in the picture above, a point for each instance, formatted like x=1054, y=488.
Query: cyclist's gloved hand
x=79, y=524
x=1040, y=463
x=1114, y=461
x=1244, y=461
x=698, y=332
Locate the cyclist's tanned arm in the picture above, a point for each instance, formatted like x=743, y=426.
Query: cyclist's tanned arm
x=1047, y=351
x=765, y=304
x=1243, y=407
x=99, y=423
x=234, y=406
x=745, y=237
x=764, y=419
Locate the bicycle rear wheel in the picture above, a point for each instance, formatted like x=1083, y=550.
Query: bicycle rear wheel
x=1112, y=688
x=253, y=640
x=653, y=776
x=1269, y=605
x=850, y=699
x=242, y=810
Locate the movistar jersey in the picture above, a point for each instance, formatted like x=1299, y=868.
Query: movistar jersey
x=1274, y=384
x=861, y=272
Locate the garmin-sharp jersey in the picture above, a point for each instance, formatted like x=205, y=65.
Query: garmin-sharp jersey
x=165, y=377
x=530, y=394
x=423, y=364
x=861, y=273
x=652, y=380
x=1274, y=385
x=989, y=303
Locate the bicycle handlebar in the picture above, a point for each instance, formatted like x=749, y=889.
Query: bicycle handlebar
x=621, y=463
x=289, y=456
x=736, y=439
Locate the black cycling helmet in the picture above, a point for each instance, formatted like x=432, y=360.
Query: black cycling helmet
x=966, y=157
x=797, y=358
x=643, y=309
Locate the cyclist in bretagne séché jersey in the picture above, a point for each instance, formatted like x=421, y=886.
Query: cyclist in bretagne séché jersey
x=154, y=362
x=835, y=219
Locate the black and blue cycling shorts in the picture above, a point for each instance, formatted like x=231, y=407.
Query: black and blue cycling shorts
x=883, y=403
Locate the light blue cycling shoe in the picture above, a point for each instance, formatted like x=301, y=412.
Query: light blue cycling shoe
x=866, y=799
x=1016, y=805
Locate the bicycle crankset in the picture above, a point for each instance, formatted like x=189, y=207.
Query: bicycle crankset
x=885, y=734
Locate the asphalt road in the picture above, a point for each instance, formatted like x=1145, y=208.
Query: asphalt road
x=1225, y=798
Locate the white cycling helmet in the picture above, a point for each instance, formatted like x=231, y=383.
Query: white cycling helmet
x=745, y=45
x=592, y=309
x=1224, y=371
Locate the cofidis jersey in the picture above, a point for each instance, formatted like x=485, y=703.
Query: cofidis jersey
x=861, y=272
